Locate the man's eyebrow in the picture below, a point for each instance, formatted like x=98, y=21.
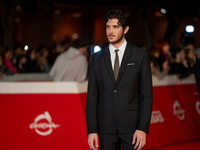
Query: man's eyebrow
x=113, y=25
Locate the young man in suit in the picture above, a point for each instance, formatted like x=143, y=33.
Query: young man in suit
x=119, y=100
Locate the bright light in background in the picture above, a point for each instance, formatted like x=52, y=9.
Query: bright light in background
x=163, y=11
x=97, y=49
x=189, y=28
x=75, y=36
x=26, y=47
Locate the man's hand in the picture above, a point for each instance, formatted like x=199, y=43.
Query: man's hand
x=93, y=141
x=141, y=139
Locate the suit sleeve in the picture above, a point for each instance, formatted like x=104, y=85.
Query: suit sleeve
x=92, y=99
x=146, y=96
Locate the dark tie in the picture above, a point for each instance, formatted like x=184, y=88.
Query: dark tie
x=116, y=65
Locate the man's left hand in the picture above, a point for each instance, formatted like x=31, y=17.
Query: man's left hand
x=141, y=139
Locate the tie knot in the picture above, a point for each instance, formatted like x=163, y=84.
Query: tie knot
x=116, y=51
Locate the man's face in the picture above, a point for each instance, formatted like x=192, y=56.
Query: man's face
x=114, y=31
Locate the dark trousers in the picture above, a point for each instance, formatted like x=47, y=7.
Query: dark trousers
x=114, y=141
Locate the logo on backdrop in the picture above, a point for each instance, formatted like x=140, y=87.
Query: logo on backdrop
x=43, y=124
x=178, y=111
x=156, y=117
x=198, y=106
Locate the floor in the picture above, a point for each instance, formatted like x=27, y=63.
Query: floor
x=192, y=145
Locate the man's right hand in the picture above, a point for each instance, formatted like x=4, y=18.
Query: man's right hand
x=93, y=141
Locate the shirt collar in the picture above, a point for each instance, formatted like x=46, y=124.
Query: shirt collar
x=121, y=48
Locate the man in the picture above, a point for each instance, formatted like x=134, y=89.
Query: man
x=72, y=64
x=194, y=70
x=119, y=100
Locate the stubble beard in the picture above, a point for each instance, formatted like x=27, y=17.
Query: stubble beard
x=117, y=40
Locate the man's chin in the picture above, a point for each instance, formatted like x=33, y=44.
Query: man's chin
x=115, y=40
x=112, y=41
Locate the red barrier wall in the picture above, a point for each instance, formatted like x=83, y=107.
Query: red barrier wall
x=59, y=118
x=175, y=116
x=52, y=115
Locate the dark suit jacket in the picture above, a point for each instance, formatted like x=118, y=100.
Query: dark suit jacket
x=123, y=105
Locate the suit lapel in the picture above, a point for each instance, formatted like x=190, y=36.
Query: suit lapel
x=108, y=63
x=127, y=54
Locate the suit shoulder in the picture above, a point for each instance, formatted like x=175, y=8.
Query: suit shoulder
x=96, y=55
x=139, y=49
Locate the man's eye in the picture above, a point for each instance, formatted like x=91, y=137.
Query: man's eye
x=115, y=27
x=108, y=27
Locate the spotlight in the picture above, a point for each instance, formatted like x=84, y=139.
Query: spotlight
x=163, y=11
x=96, y=49
x=26, y=47
x=189, y=28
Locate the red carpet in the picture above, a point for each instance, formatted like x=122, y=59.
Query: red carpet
x=192, y=145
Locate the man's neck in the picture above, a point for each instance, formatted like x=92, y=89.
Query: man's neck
x=118, y=44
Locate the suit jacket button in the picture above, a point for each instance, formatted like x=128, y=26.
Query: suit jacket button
x=115, y=91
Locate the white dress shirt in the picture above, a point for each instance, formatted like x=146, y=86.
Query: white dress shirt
x=120, y=53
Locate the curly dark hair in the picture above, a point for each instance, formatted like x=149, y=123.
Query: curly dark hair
x=118, y=14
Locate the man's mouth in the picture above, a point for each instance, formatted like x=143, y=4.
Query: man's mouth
x=111, y=36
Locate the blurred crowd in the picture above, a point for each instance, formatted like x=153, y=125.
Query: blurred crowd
x=168, y=61
x=68, y=61
x=18, y=60
x=181, y=61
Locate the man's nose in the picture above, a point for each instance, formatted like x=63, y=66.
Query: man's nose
x=111, y=30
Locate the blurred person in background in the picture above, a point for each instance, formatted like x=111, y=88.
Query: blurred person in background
x=57, y=49
x=166, y=55
x=71, y=65
x=53, y=54
x=31, y=64
x=194, y=70
x=7, y=56
x=18, y=50
x=192, y=48
x=84, y=51
x=21, y=64
x=182, y=65
x=155, y=68
x=60, y=48
x=3, y=69
x=198, y=53
x=190, y=57
x=42, y=60
x=164, y=50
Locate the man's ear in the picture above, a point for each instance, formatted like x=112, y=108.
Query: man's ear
x=126, y=29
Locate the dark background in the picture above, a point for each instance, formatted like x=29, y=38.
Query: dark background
x=36, y=22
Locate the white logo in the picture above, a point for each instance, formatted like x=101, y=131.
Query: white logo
x=178, y=111
x=156, y=116
x=42, y=126
x=197, y=106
